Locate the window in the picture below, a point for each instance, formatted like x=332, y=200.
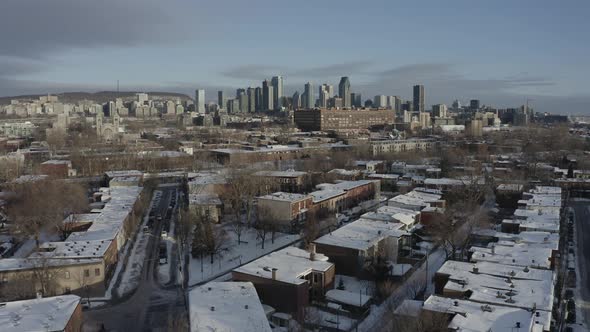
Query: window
x=87, y=273
x=97, y=272
x=67, y=274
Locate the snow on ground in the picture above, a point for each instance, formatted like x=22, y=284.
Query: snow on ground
x=134, y=267
x=354, y=285
x=329, y=320
x=581, y=323
x=29, y=245
x=435, y=260
x=236, y=255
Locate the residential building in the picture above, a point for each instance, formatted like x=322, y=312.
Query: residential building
x=55, y=314
x=206, y=204
x=288, y=181
x=226, y=306
x=289, y=279
x=357, y=246
x=287, y=210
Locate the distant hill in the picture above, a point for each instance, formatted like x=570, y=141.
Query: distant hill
x=99, y=97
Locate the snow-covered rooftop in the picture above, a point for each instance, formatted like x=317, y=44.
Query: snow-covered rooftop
x=43, y=314
x=204, y=199
x=226, y=306
x=356, y=299
x=322, y=195
x=501, y=284
x=476, y=317
x=416, y=198
x=361, y=234
x=285, y=197
x=292, y=265
x=282, y=174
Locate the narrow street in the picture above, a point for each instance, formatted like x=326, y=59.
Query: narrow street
x=151, y=307
x=582, y=224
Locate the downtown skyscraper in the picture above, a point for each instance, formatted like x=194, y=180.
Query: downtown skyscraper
x=326, y=92
x=419, y=98
x=308, y=96
x=267, y=96
x=200, y=101
x=277, y=85
x=344, y=92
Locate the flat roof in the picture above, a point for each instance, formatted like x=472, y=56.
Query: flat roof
x=282, y=174
x=284, y=197
x=44, y=314
x=361, y=234
x=291, y=263
x=501, y=284
x=226, y=306
x=472, y=316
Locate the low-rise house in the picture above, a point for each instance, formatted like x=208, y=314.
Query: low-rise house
x=226, y=306
x=55, y=314
x=418, y=199
x=498, y=284
x=472, y=316
x=288, y=181
x=286, y=210
x=289, y=279
x=208, y=205
x=86, y=260
x=59, y=169
x=357, y=247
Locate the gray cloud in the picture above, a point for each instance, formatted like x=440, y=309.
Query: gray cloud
x=443, y=83
x=260, y=72
x=37, y=28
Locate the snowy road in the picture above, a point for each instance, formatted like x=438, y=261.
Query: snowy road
x=150, y=307
x=582, y=223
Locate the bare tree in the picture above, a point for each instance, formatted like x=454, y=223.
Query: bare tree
x=45, y=204
x=208, y=238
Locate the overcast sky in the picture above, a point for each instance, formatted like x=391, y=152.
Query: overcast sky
x=500, y=51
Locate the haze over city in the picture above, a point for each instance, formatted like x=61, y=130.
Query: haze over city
x=280, y=166
x=500, y=52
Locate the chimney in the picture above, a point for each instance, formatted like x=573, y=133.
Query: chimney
x=517, y=325
x=456, y=303
x=475, y=269
x=274, y=273
x=312, y=251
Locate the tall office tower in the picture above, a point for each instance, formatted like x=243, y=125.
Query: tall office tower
x=258, y=99
x=220, y=99
x=439, y=110
x=277, y=85
x=251, y=92
x=407, y=106
x=240, y=92
x=243, y=102
x=324, y=96
x=309, y=96
x=353, y=99
x=407, y=116
x=456, y=104
x=233, y=106
x=267, y=96
x=397, y=106
x=358, y=100
x=474, y=104
x=296, y=103
x=418, y=98
x=344, y=91
x=380, y=101
x=200, y=101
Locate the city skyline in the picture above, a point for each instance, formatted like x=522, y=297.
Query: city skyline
x=485, y=54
